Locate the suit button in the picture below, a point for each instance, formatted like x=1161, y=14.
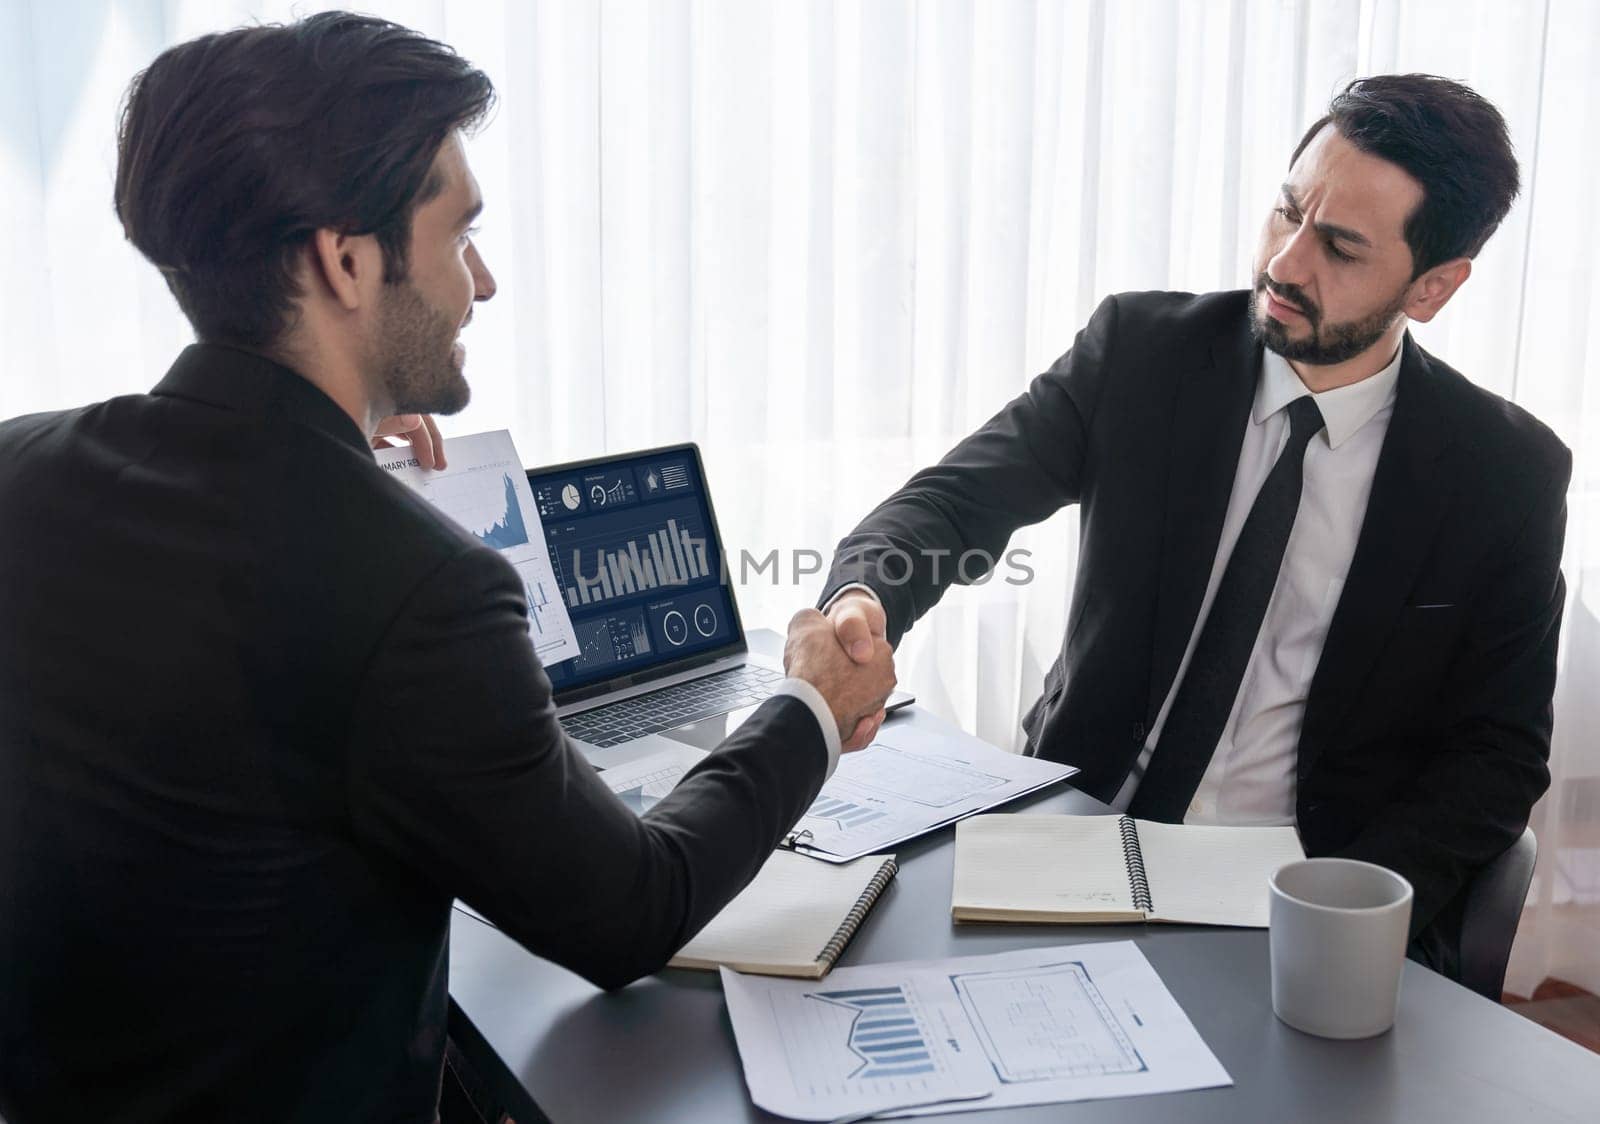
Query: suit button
x=1138, y=731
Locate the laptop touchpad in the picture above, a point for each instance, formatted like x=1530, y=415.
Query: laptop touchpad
x=708, y=733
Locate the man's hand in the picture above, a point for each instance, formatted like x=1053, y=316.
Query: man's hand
x=859, y=622
x=417, y=429
x=855, y=690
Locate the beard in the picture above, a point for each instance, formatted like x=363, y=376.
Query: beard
x=417, y=366
x=1328, y=343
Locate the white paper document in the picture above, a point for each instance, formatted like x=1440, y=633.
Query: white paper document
x=1040, y=1026
x=645, y=780
x=917, y=776
x=485, y=489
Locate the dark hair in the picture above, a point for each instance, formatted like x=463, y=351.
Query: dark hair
x=1450, y=140
x=234, y=148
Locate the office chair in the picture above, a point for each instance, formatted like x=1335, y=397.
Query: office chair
x=1495, y=897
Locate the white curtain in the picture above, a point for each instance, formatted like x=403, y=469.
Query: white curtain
x=825, y=240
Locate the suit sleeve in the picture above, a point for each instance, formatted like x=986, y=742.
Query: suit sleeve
x=1022, y=466
x=461, y=774
x=1472, y=799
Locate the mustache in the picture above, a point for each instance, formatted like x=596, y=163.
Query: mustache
x=1290, y=294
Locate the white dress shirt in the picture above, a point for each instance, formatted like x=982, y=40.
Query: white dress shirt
x=1251, y=777
x=808, y=694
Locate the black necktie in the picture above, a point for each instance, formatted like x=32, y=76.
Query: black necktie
x=1205, y=697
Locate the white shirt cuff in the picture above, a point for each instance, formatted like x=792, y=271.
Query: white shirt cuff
x=844, y=589
x=812, y=697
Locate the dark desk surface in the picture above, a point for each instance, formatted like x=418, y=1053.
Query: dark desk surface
x=663, y=1049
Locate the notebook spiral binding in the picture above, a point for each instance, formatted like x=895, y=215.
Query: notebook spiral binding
x=858, y=912
x=1133, y=856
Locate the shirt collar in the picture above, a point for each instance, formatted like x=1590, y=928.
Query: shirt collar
x=246, y=382
x=1345, y=409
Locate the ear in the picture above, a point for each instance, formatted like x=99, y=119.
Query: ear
x=349, y=265
x=1430, y=292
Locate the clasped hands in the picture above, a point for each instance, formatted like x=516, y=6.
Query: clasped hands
x=846, y=656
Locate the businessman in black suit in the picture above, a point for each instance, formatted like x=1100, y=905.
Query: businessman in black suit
x=1319, y=580
x=263, y=712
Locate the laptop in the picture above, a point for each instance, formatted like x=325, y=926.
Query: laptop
x=663, y=661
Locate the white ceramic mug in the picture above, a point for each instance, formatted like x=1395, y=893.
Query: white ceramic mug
x=1338, y=939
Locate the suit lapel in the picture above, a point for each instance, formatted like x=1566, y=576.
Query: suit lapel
x=1210, y=410
x=1410, y=487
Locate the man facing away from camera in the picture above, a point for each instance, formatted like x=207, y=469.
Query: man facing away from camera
x=263, y=712
x=1319, y=581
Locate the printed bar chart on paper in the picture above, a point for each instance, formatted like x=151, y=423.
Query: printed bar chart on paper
x=844, y=813
x=1038, y=1026
x=842, y=1047
x=484, y=489
x=884, y=1037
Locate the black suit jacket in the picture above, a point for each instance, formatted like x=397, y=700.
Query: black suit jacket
x=1427, y=726
x=263, y=713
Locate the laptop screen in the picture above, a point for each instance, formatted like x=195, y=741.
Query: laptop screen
x=634, y=546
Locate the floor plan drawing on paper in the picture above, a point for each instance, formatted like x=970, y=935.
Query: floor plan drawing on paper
x=1039, y=1024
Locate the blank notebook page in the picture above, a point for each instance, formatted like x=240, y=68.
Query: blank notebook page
x=1213, y=875
x=786, y=917
x=1041, y=864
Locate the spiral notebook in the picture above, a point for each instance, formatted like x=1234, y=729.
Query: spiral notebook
x=793, y=920
x=1106, y=869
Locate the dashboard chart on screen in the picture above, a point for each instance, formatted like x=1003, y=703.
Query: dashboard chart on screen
x=636, y=561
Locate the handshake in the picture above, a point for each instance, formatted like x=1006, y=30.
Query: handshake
x=845, y=656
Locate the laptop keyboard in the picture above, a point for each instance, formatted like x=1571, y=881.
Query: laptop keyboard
x=673, y=706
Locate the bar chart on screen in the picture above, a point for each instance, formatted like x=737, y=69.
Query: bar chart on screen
x=654, y=557
x=484, y=489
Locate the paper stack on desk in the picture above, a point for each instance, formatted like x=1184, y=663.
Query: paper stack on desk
x=1040, y=1026
x=917, y=776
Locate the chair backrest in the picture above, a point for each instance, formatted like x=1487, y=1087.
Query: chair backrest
x=1489, y=922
